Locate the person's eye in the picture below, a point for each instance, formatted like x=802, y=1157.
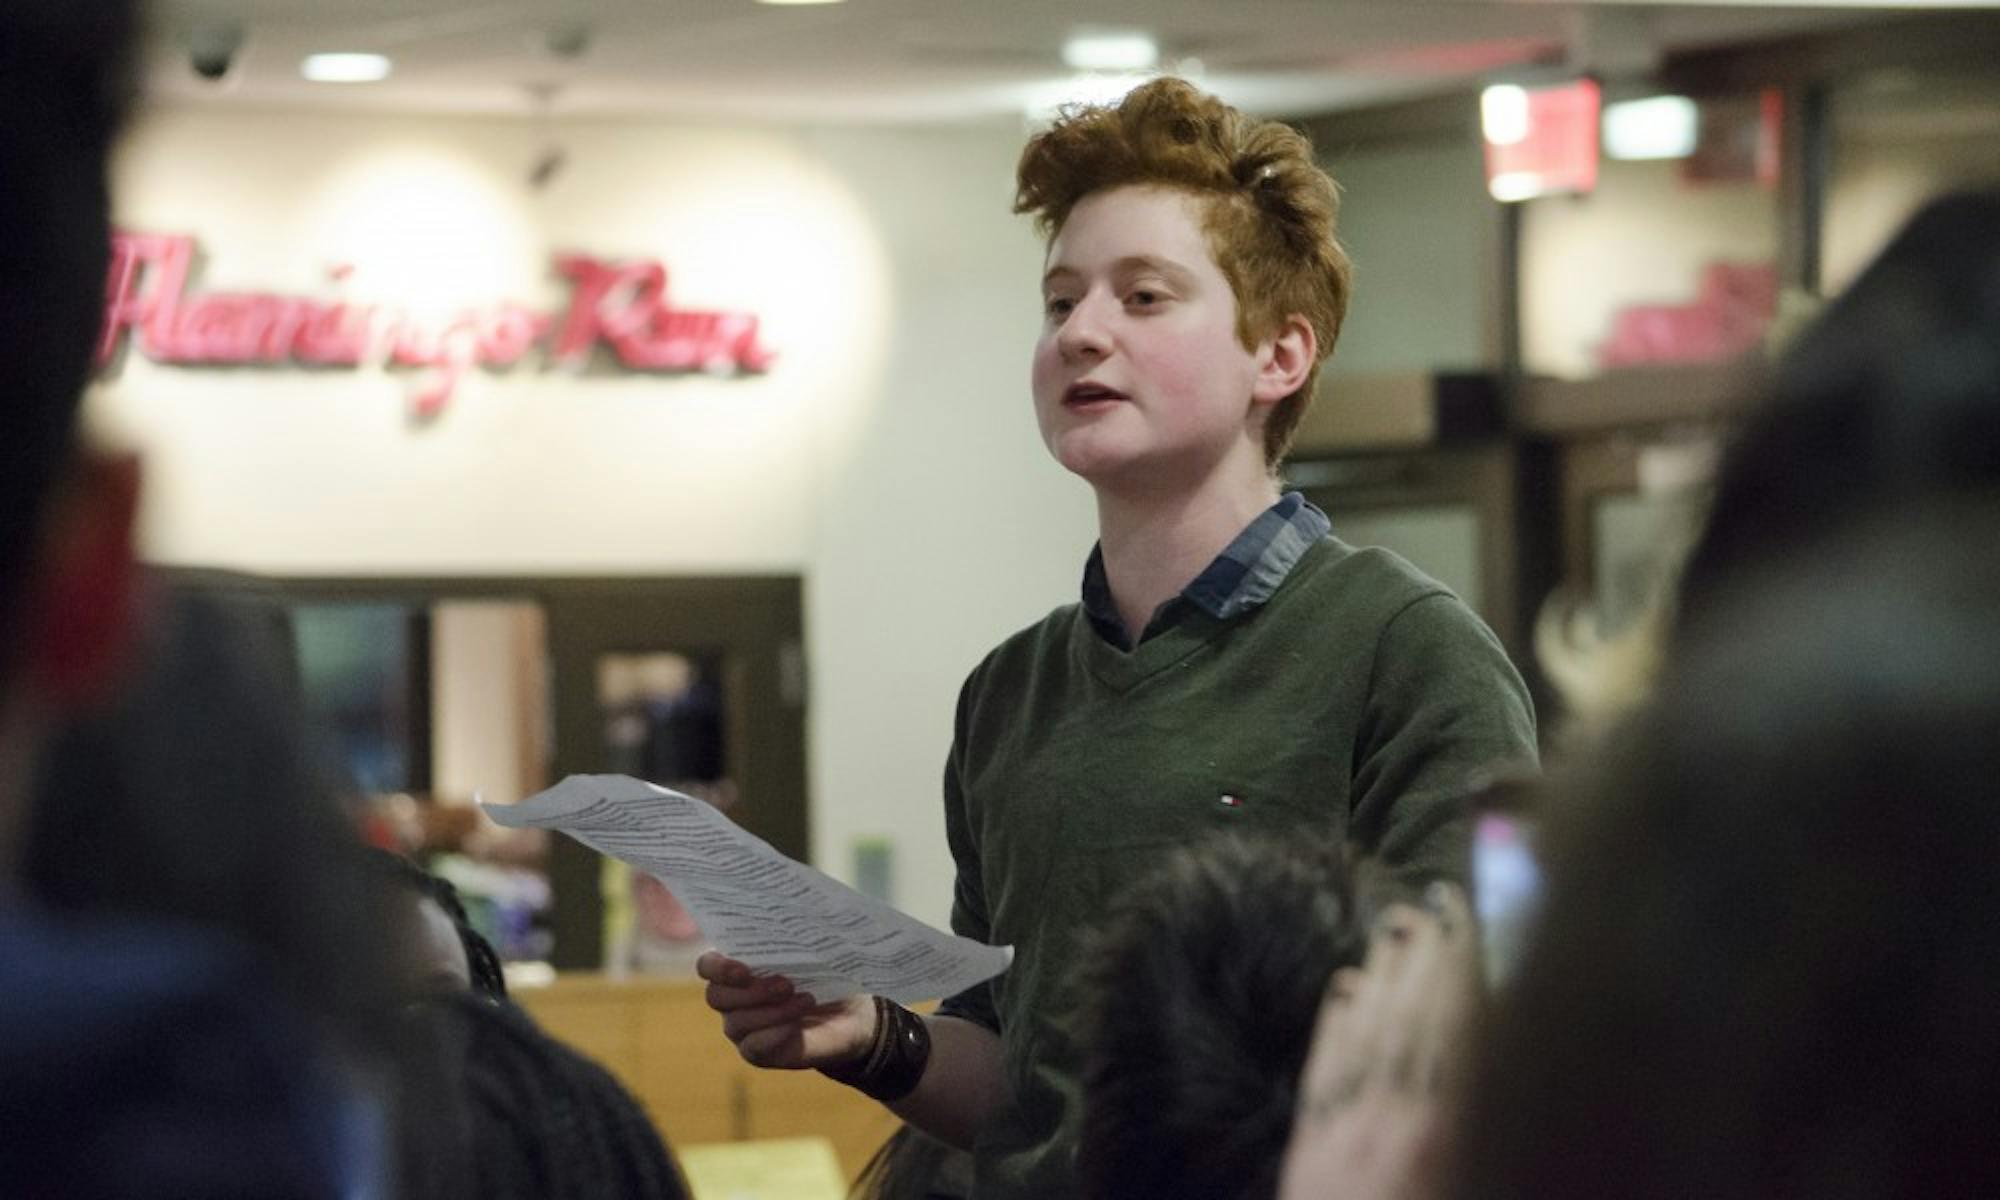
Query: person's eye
x=1144, y=298
x=1058, y=307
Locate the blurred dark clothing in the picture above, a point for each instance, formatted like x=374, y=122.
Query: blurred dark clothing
x=198, y=797
x=208, y=962
x=155, y=1060
x=1765, y=963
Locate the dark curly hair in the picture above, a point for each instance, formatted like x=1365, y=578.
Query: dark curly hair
x=1270, y=209
x=1198, y=994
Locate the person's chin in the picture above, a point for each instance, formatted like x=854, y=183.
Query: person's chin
x=1095, y=459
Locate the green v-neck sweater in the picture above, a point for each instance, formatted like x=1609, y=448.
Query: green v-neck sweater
x=1362, y=699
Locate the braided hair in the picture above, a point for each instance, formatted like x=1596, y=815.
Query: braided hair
x=521, y=1115
x=481, y=960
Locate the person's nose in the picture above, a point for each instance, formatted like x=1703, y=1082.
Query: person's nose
x=1086, y=331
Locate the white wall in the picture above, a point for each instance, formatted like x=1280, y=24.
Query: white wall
x=1424, y=238
x=889, y=456
x=950, y=527
x=530, y=468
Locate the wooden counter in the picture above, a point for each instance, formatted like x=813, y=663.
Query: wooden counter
x=664, y=1044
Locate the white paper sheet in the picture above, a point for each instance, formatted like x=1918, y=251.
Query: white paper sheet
x=757, y=906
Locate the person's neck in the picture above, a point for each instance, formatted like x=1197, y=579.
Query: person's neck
x=1155, y=542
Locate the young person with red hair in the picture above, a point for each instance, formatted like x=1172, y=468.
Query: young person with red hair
x=1231, y=665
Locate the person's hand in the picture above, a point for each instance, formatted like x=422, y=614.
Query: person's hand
x=774, y=1025
x=1388, y=1061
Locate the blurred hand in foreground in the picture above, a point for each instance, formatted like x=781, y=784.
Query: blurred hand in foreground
x=1388, y=1060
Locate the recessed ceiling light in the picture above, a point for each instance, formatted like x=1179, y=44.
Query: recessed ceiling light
x=1656, y=127
x=1111, y=51
x=345, y=68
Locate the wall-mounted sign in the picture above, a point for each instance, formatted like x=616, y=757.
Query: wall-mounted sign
x=1540, y=141
x=621, y=306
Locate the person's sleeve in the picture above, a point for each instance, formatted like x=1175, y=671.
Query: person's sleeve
x=1445, y=710
x=969, y=917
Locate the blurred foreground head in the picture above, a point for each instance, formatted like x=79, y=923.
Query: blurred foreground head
x=195, y=797
x=63, y=88
x=1769, y=946
x=1890, y=398
x=64, y=82
x=1199, y=993
x=67, y=578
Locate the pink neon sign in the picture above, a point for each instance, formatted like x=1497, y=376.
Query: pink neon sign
x=621, y=306
x=1727, y=318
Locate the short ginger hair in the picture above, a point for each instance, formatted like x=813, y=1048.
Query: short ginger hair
x=1269, y=209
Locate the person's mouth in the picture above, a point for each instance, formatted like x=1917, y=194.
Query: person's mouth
x=1086, y=394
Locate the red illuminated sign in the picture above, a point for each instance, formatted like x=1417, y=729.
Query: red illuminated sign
x=1540, y=141
x=621, y=306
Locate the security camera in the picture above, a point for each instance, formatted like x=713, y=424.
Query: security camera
x=213, y=46
x=568, y=40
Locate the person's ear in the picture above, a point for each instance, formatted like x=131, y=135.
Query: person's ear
x=83, y=602
x=1284, y=360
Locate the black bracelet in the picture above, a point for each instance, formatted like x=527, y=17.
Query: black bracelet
x=896, y=1057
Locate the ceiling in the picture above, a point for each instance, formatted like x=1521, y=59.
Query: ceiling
x=907, y=60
